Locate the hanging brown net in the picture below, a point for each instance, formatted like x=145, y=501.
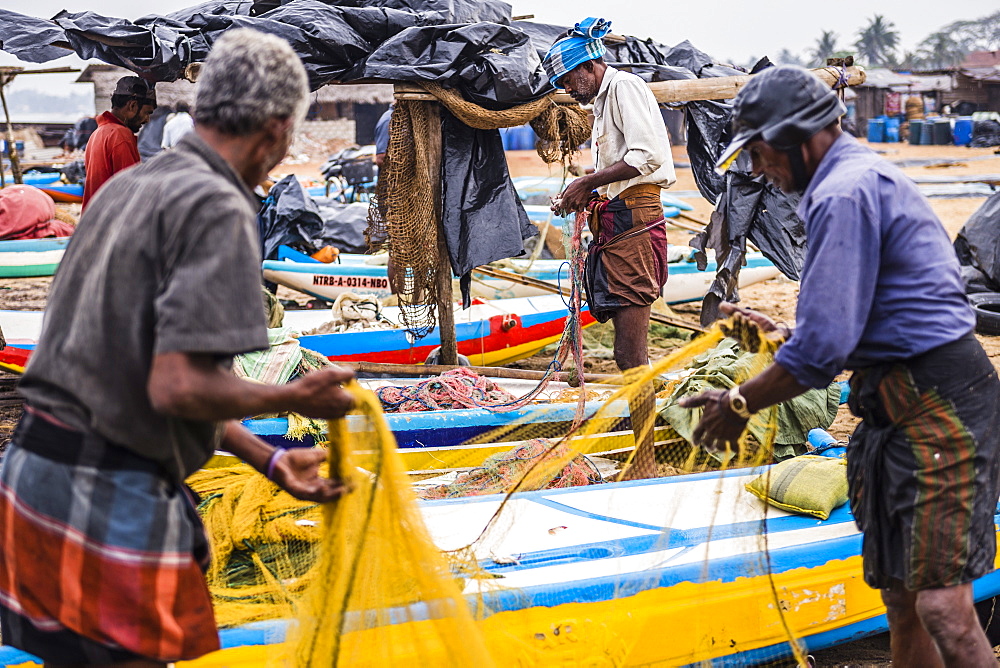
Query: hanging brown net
x=402, y=216
x=561, y=129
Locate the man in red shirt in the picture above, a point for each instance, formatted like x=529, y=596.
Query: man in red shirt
x=113, y=146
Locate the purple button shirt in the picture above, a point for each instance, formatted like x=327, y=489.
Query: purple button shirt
x=881, y=281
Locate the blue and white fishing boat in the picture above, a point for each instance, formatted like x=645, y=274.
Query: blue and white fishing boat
x=20, y=258
x=367, y=275
x=674, y=571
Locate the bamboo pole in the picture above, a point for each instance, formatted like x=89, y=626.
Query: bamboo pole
x=445, y=297
x=685, y=90
x=407, y=370
x=15, y=163
x=548, y=287
x=7, y=75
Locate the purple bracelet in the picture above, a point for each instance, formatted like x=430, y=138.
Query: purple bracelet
x=273, y=461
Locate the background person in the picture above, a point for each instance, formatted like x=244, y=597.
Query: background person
x=113, y=145
x=82, y=131
x=382, y=135
x=178, y=124
x=627, y=263
x=150, y=136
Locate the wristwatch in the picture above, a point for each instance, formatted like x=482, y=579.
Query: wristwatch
x=738, y=403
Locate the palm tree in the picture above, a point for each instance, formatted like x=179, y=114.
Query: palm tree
x=982, y=34
x=940, y=50
x=825, y=47
x=786, y=57
x=912, y=60
x=877, y=42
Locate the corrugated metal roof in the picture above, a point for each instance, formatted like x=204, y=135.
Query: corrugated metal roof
x=106, y=76
x=882, y=78
x=978, y=59
x=984, y=74
x=925, y=83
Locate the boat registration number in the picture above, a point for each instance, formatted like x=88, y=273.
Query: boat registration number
x=352, y=282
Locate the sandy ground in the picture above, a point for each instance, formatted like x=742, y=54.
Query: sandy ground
x=776, y=298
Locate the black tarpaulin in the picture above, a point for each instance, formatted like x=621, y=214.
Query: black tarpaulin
x=219, y=7
x=978, y=247
x=745, y=207
x=291, y=217
x=158, y=52
x=985, y=134
x=288, y=217
x=30, y=38
x=542, y=35
x=482, y=216
x=330, y=41
x=343, y=225
x=506, y=73
x=749, y=208
x=448, y=11
x=436, y=11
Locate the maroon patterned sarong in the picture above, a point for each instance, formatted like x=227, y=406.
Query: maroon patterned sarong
x=627, y=262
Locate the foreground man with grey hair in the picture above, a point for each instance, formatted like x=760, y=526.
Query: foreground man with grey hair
x=129, y=390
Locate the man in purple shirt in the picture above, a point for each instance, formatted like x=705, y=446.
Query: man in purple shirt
x=880, y=295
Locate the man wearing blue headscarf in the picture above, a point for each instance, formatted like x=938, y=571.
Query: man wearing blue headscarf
x=627, y=262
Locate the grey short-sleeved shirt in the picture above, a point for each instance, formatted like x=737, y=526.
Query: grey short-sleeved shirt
x=165, y=259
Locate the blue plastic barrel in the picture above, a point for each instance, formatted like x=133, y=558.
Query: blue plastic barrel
x=892, y=129
x=962, y=132
x=876, y=130
x=505, y=137
x=527, y=137
x=19, y=145
x=942, y=131
x=915, y=128
x=927, y=133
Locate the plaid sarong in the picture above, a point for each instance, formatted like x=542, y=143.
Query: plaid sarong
x=102, y=556
x=277, y=364
x=627, y=261
x=923, y=469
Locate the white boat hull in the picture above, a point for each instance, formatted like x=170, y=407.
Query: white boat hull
x=328, y=282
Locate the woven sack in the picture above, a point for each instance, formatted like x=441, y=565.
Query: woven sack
x=808, y=484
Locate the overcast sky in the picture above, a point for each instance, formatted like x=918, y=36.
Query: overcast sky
x=729, y=30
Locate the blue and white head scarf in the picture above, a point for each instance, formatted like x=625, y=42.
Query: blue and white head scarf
x=585, y=42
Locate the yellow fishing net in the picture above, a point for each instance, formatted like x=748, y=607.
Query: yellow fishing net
x=571, y=576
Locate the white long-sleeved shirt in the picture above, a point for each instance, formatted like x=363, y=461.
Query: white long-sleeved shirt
x=177, y=126
x=628, y=126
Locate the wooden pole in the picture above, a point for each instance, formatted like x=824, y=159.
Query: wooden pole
x=407, y=370
x=15, y=163
x=445, y=298
x=685, y=90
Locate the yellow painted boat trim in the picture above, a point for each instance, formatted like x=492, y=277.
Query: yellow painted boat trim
x=702, y=621
x=465, y=456
x=513, y=353
x=667, y=626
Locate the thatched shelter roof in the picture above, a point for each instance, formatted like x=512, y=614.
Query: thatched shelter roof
x=104, y=77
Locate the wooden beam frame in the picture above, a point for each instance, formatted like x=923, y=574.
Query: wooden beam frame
x=676, y=92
